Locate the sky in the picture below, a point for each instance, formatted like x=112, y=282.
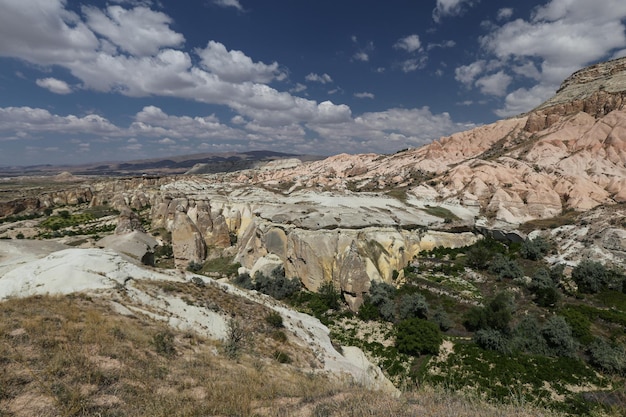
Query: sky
x=93, y=81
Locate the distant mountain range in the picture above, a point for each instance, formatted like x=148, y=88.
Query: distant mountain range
x=202, y=162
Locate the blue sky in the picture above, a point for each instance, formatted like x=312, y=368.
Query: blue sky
x=86, y=81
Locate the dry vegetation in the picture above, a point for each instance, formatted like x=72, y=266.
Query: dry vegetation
x=72, y=356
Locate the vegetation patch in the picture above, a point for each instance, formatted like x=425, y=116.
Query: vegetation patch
x=441, y=212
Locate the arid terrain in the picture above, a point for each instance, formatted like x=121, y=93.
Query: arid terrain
x=484, y=268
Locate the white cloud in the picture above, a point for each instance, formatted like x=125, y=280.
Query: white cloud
x=364, y=95
x=32, y=120
x=298, y=88
x=54, y=85
x=504, y=13
x=413, y=64
x=44, y=32
x=324, y=78
x=494, y=84
x=235, y=66
x=139, y=31
x=229, y=3
x=467, y=74
x=446, y=8
x=443, y=44
x=524, y=99
x=410, y=43
x=167, y=141
x=389, y=130
x=361, y=56
x=579, y=33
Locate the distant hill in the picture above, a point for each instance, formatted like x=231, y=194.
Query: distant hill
x=203, y=163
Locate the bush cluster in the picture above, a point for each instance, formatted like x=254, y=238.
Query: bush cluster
x=385, y=303
x=534, y=249
x=277, y=285
x=418, y=337
x=544, y=288
x=590, y=276
x=505, y=267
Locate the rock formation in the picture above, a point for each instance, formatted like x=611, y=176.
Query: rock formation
x=352, y=219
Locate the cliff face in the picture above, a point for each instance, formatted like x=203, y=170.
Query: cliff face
x=318, y=237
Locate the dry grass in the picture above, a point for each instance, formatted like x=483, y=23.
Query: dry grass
x=72, y=356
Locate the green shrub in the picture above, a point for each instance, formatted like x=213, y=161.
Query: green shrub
x=412, y=306
x=609, y=357
x=418, y=337
x=478, y=257
x=591, y=276
x=164, y=343
x=558, y=336
x=544, y=288
x=496, y=315
x=441, y=319
x=329, y=295
x=492, y=339
x=282, y=357
x=243, y=281
x=368, y=311
x=235, y=338
x=579, y=323
x=274, y=319
x=504, y=267
x=276, y=285
x=527, y=337
x=194, y=267
x=534, y=249
x=382, y=297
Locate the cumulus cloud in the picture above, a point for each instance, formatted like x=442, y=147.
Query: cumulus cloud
x=494, y=84
x=579, y=33
x=413, y=64
x=235, y=66
x=44, y=32
x=54, y=85
x=467, y=74
x=504, y=13
x=90, y=47
x=27, y=119
x=409, y=43
x=364, y=95
x=446, y=8
x=138, y=31
x=316, y=78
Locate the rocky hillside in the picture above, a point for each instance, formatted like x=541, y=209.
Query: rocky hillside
x=377, y=232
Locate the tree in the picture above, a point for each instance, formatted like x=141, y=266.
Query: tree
x=276, y=285
x=329, y=295
x=534, y=249
x=558, y=336
x=496, y=314
x=418, y=337
x=382, y=297
x=610, y=357
x=504, y=267
x=411, y=306
x=544, y=288
x=590, y=276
